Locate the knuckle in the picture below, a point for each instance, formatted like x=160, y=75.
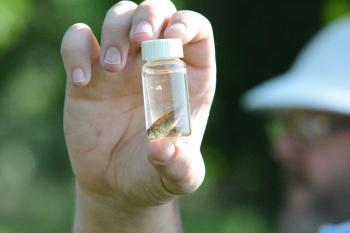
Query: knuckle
x=147, y=6
x=158, y=6
x=194, y=175
x=179, y=16
x=192, y=182
x=205, y=21
x=183, y=172
x=196, y=17
x=120, y=8
x=199, y=179
x=208, y=23
x=118, y=17
x=112, y=26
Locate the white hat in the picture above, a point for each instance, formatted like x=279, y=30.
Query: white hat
x=318, y=80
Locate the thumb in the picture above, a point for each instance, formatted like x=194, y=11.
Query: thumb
x=180, y=167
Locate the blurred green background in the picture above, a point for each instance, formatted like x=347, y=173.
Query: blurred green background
x=242, y=192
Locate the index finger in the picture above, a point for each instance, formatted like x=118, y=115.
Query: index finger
x=197, y=35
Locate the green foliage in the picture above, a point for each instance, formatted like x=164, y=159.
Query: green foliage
x=335, y=8
x=244, y=219
x=14, y=18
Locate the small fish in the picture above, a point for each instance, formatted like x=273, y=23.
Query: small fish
x=164, y=126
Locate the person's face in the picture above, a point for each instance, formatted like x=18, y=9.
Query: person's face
x=314, y=150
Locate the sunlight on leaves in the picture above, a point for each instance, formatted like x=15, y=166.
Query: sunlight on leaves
x=245, y=219
x=31, y=90
x=334, y=9
x=14, y=18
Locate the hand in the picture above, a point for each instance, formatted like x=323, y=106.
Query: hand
x=115, y=165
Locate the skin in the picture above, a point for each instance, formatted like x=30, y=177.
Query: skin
x=317, y=181
x=124, y=182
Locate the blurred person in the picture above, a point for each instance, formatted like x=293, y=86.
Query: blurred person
x=309, y=109
x=125, y=183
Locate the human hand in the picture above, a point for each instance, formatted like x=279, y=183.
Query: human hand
x=116, y=167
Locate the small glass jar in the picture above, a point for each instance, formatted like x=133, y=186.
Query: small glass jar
x=165, y=89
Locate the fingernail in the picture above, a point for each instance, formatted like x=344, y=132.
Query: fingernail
x=112, y=56
x=164, y=154
x=78, y=75
x=143, y=27
x=177, y=26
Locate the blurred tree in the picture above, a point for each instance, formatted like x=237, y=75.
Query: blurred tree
x=15, y=16
x=335, y=8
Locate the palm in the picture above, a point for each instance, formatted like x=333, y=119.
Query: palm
x=105, y=126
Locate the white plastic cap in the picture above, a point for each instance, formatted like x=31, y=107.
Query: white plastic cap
x=161, y=48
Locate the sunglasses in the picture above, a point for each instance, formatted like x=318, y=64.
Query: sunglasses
x=308, y=127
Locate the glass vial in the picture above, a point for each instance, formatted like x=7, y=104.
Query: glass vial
x=165, y=90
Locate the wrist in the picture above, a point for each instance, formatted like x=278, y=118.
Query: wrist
x=98, y=214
